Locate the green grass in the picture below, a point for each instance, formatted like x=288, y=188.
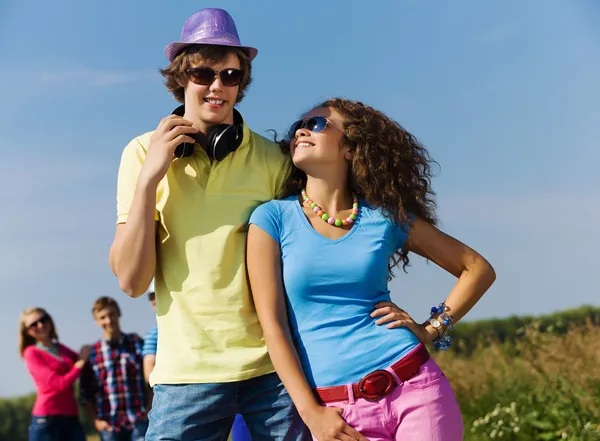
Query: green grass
x=541, y=387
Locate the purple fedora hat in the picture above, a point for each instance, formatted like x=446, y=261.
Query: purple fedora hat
x=208, y=26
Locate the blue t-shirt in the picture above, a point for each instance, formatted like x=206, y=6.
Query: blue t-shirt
x=150, y=342
x=332, y=286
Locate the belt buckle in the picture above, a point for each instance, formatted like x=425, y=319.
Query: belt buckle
x=369, y=383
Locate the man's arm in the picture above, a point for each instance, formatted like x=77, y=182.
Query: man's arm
x=87, y=393
x=88, y=390
x=90, y=410
x=149, y=362
x=145, y=352
x=149, y=352
x=133, y=252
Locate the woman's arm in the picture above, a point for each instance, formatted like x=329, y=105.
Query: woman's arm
x=264, y=271
x=70, y=353
x=45, y=377
x=475, y=276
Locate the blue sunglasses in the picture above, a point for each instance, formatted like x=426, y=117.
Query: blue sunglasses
x=315, y=124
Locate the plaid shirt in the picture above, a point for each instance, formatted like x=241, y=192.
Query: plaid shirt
x=113, y=380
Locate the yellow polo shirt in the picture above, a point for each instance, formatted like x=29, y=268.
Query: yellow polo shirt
x=208, y=330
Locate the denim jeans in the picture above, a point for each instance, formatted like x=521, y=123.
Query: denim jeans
x=56, y=428
x=136, y=434
x=205, y=412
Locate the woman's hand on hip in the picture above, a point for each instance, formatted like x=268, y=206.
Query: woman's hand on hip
x=396, y=317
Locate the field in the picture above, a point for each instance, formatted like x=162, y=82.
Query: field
x=542, y=387
x=519, y=379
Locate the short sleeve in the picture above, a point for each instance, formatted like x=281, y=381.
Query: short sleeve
x=150, y=342
x=132, y=160
x=268, y=219
x=280, y=176
x=278, y=165
x=403, y=229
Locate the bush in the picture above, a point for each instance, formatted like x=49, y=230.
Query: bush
x=549, y=391
x=15, y=416
x=468, y=335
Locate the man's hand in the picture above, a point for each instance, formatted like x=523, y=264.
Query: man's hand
x=102, y=426
x=396, y=317
x=172, y=131
x=327, y=424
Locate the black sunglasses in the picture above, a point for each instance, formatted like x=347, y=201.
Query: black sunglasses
x=315, y=124
x=205, y=76
x=43, y=319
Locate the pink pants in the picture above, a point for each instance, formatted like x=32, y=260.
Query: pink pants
x=423, y=408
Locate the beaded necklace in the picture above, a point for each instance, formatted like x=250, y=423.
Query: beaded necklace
x=329, y=219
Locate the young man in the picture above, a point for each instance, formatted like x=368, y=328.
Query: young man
x=184, y=218
x=112, y=386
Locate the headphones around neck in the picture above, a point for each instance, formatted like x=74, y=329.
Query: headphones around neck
x=220, y=140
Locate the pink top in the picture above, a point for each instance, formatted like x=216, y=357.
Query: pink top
x=54, y=380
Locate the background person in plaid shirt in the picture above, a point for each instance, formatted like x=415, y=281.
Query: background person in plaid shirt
x=113, y=389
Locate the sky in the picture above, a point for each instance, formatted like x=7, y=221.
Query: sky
x=503, y=94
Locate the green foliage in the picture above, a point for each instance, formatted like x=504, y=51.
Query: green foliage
x=516, y=379
x=467, y=336
x=533, y=417
x=15, y=416
x=544, y=385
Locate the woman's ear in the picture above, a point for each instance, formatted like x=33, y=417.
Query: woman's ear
x=348, y=156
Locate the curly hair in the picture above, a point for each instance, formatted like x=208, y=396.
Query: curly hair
x=192, y=56
x=390, y=169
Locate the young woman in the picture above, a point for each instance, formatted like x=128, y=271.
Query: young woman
x=359, y=199
x=54, y=368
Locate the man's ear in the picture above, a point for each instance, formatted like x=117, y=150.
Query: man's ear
x=182, y=80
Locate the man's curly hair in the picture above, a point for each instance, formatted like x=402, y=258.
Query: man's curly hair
x=389, y=167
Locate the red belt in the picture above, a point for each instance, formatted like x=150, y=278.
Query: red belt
x=379, y=383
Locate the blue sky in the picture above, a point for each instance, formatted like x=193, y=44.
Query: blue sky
x=504, y=95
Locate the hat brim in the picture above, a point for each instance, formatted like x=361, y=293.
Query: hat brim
x=173, y=49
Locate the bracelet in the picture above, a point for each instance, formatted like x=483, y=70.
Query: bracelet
x=443, y=341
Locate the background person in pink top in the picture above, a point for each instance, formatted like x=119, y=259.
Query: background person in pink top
x=54, y=369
